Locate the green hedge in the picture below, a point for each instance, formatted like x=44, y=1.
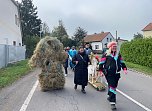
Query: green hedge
x=138, y=51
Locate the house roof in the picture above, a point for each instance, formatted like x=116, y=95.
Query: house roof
x=120, y=39
x=96, y=37
x=148, y=27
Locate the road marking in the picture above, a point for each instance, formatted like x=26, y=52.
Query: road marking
x=26, y=102
x=134, y=101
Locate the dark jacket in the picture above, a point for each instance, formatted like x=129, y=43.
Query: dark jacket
x=88, y=51
x=66, y=61
x=111, y=64
x=81, y=69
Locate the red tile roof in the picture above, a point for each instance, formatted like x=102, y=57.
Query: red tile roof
x=96, y=37
x=121, y=39
x=148, y=27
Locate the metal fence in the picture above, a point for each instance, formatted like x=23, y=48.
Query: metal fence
x=10, y=54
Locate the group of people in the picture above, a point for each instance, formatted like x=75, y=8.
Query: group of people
x=71, y=53
x=110, y=64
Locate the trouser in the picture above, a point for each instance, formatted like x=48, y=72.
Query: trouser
x=71, y=64
x=112, y=85
x=66, y=70
x=83, y=87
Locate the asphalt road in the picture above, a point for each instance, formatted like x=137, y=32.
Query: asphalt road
x=135, y=85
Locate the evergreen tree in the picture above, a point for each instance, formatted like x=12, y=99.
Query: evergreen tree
x=60, y=32
x=46, y=30
x=138, y=36
x=68, y=42
x=29, y=20
x=79, y=35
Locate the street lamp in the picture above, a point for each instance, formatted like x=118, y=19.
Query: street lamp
x=41, y=29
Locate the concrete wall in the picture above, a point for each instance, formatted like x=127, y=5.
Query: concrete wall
x=9, y=23
x=147, y=34
x=10, y=54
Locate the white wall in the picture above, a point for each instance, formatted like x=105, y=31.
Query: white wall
x=104, y=41
x=9, y=31
x=96, y=43
x=10, y=54
x=147, y=34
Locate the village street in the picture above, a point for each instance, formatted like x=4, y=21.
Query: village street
x=136, y=86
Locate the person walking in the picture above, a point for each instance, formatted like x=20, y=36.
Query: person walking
x=104, y=49
x=72, y=53
x=110, y=65
x=81, y=61
x=65, y=65
x=87, y=49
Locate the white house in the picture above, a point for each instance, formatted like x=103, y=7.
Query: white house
x=147, y=31
x=99, y=41
x=10, y=28
x=11, y=49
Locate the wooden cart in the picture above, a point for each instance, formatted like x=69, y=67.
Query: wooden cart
x=95, y=78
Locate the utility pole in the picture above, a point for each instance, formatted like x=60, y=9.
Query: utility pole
x=116, y=36
x=117, y=40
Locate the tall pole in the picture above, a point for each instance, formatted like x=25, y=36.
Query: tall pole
x=116, y=36
x=117, y=41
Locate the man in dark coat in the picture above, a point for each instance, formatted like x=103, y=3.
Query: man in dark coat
x=81, y=61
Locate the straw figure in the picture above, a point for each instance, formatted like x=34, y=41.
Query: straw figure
x=49, y=56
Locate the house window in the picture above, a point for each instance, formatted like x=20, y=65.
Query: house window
x=14, y=43
x=107, y=39
x=110, y=39
x=16, y=19
x=96, y=46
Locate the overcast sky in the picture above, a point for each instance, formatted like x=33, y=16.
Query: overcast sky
x=126, y=16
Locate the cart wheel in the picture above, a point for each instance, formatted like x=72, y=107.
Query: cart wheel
x=97, y=89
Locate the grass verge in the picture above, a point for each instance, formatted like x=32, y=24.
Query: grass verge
x=143, y=69
x=13, y=72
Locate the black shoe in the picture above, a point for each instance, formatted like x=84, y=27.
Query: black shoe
x=113, y=107
x=83, y=91
x=75, y=87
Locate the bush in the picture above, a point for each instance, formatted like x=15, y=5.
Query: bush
x=30, y=42
x=138, y=51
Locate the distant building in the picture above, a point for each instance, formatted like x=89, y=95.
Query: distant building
x=147, y=31
x=120, y=42
x=10, y=28
x=99, y=41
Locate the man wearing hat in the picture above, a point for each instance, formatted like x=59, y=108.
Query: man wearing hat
x=111, y=64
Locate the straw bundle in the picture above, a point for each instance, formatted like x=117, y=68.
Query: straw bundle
x=49, y=56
